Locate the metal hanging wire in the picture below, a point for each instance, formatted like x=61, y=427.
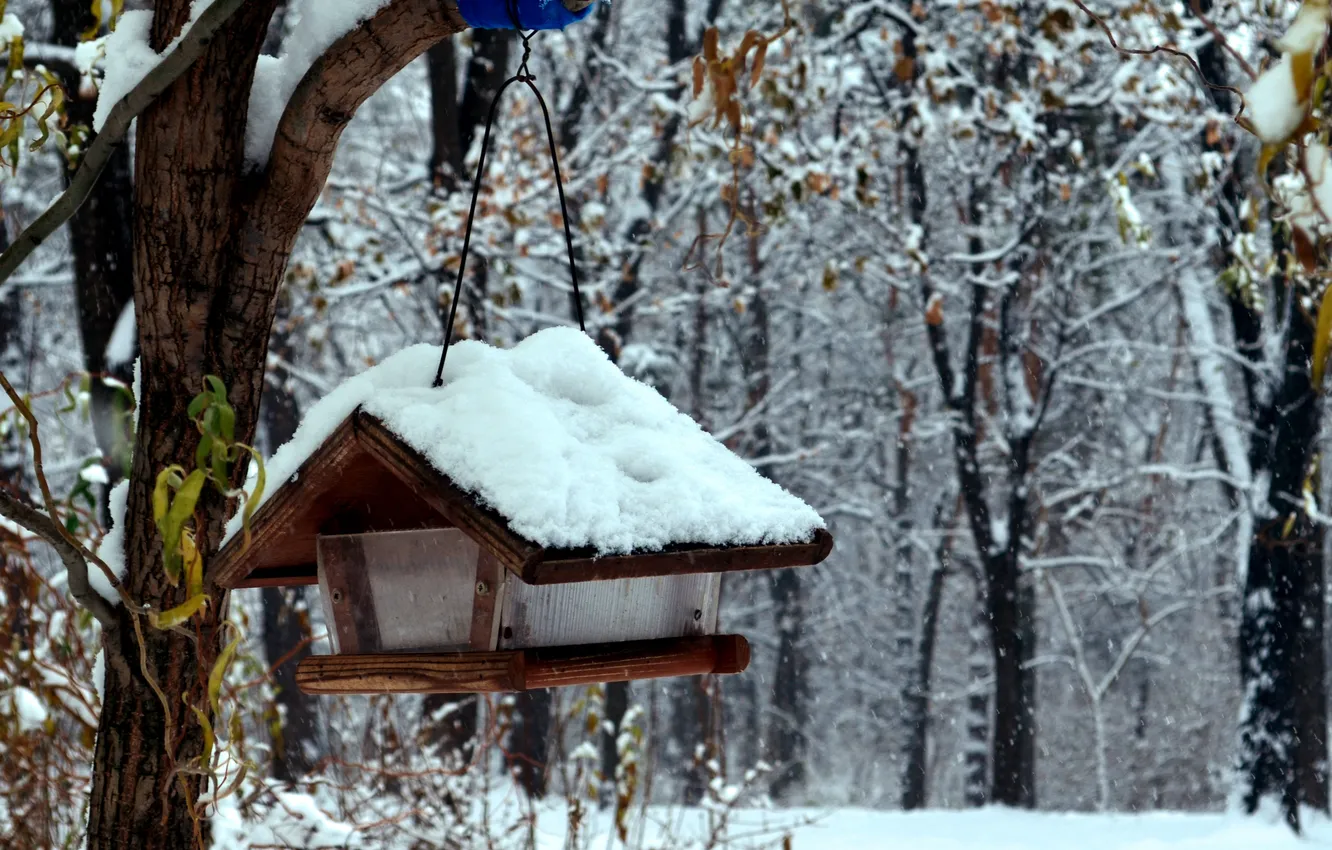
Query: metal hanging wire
x=525, y=76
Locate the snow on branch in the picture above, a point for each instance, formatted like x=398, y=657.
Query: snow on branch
x=190, y=47
x=317, y=112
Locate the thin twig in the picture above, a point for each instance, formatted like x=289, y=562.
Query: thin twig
x=1220, y=38
x=1160, y=48
x=48, y=527
x=117, y=125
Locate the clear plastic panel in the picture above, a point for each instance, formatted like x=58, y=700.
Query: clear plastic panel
x=609, y=611
x=398, y=590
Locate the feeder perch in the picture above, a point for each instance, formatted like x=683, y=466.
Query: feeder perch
x=426, y=585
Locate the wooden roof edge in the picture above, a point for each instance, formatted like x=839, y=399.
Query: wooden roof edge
x=562, y=567
x=461, y=508
x=234, y=561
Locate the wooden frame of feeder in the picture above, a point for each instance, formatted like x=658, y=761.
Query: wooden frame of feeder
x=364, y=479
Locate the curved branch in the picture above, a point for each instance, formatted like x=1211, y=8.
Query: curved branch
x=117, y=125
x=329, y=94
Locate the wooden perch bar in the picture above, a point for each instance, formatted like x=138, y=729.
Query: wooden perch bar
x=520, y=670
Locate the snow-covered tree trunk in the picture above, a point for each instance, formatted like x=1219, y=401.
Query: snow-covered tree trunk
x=1285, y=565
x=976, y=743
x=916, y=693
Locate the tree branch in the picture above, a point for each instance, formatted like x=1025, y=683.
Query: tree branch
x=319, y=110
x=190, y=48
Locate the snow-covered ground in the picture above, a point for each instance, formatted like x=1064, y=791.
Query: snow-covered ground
x=503, y=820
x=986, y=829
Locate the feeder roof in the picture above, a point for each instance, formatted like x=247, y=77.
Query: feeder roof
x=561, y=447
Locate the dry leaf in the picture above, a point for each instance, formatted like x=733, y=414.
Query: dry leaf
x=760, y=57
x=934, y=311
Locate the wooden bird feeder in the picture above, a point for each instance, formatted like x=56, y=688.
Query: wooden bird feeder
x=426, y=589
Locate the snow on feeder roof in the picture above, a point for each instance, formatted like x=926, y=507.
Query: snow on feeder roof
x=538, y=520
x=569, y=458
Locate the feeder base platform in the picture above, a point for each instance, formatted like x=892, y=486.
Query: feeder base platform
x=521, y=669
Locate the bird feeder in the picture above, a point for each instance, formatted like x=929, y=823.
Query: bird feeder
x=539, y=520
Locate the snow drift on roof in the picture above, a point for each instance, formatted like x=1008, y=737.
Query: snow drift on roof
x=555, y=438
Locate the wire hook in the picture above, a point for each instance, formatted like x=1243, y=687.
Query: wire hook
x=525, y=76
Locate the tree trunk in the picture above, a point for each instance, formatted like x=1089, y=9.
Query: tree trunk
x=1283, y=749
x=446, y=153
x=915, y=776
x=183, y=230
x=976, y=745
x=786, y=734
x=1311, y=678
x=617, y=703
x=211, y=243
x=529, y=741
x=16, y=586
x=1027, y=754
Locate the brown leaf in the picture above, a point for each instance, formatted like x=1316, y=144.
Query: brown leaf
x=751, y=38
x=1305, y=250
x=710, y=44
x=760, y=57
x=733, y=114
x=934, y=311
x=904, y=69
x=700, y=73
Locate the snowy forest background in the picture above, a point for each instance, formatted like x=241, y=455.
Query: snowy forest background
x=981, y=289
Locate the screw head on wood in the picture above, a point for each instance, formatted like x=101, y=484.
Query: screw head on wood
x=698, y=614
x=482, y=589
x=337, y=597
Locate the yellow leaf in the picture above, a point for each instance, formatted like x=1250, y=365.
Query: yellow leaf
x=179, y=614
x=1302, y=74
x=1308, y=30
x=207, y=755
x=189, y=553
x=91, y=32
x=162, y=493
x=1265, y=156
x=252, y=500
x=182, y=508
x=1322, y=341
x=219, y=671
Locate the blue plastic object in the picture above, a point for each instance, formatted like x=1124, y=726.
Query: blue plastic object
x=532, y=14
